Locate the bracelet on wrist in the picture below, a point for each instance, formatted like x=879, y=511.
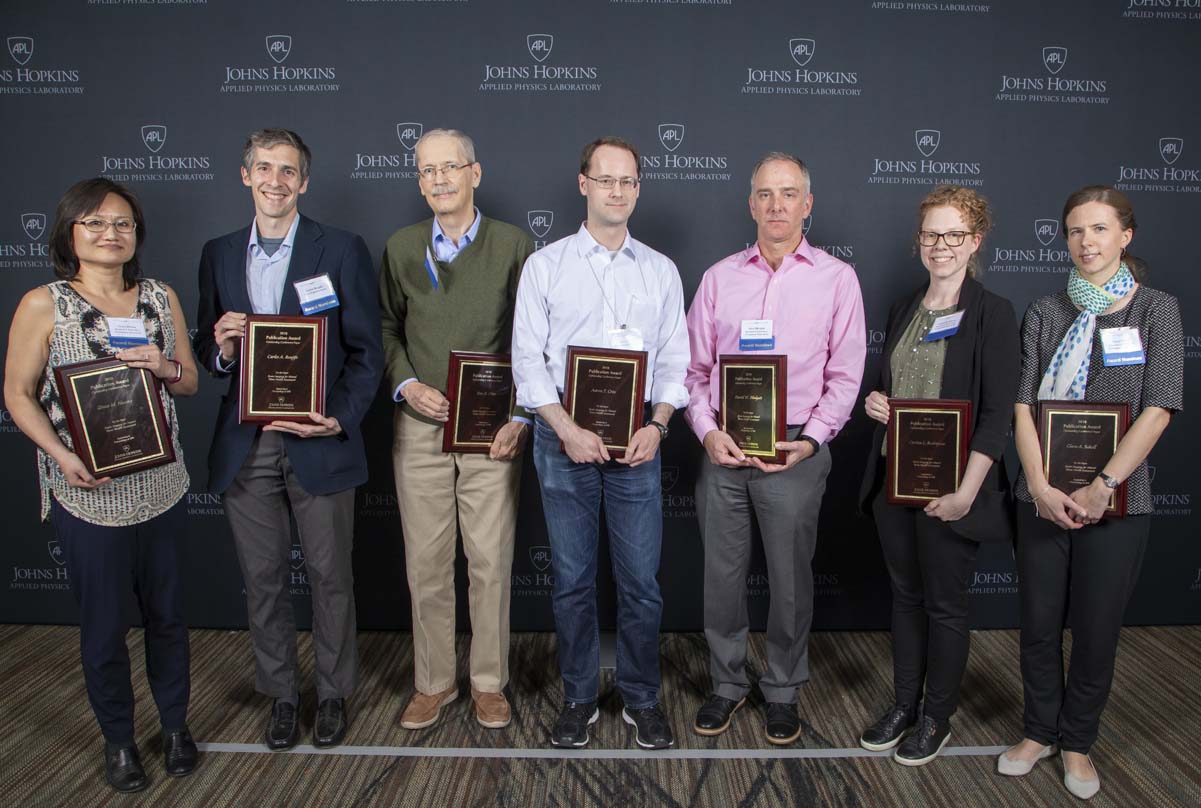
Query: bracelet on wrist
x=178, y=371
x=1044, y=493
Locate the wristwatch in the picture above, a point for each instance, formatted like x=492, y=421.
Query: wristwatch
x=1110, y=482
x=662, y=429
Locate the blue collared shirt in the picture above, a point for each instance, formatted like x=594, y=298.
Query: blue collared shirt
x=445, y=248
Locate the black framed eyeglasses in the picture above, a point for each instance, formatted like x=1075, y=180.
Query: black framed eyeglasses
x=952, y=238
x=626, y=183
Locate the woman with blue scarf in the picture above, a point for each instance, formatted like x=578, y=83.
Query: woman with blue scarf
x=1107, y=338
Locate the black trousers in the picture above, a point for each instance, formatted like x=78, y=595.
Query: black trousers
x=930, y=567
x=106, y=565
x=1084, y=576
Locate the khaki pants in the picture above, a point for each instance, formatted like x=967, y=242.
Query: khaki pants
x=439, y=495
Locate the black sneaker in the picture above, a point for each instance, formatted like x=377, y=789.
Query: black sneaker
x=715, y=715
x=653, y=730
x=783, y=725
x=924, y=743
x=571, y=728
x=887, y=732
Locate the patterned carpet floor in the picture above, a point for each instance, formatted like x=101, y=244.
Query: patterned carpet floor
x=50, y=748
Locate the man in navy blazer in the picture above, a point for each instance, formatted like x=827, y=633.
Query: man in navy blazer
x=285, y=470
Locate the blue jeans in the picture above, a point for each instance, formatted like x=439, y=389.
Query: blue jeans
x=571, y=498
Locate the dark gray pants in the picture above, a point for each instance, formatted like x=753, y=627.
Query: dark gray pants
x=258, y=504
x=786, y=505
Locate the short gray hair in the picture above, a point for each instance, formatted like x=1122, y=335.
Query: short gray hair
x=466, y=144
x=773, y=156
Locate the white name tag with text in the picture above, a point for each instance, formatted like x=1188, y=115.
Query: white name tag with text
x=126, y=332
x=756, y=335
x=316, y=294
x=945, y=326
x=1122, y=346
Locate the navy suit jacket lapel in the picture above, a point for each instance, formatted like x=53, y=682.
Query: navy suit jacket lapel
x=306, y=257
x=234, y=275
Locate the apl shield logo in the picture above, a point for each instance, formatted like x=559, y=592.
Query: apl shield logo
x=540, y=221
x=56, y=552
x=409, y=134
x=296, y=559
x=1055, y=57
x=671, y=135
x=1150, y=473
x=801, y=50
x=668, y=477
x=278, y=47
x=806, y=223
x=540, y=557
x=154, y=136
x=1170, y=149
x=20, y=48
x=1045, y=230
x=540, y=45
x=927, y=140
x=34, y=225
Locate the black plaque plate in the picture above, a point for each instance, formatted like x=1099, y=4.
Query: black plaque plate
x=480, y=388
x=927, y=448
x=282, y=369
x=754, y=402
x=1077, y=438
x=604, y=391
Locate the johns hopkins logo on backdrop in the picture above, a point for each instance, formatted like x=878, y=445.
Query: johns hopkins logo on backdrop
x=928, y=7
x=23, y=247
x=154, y=165
x=540, y=222
x=24, y=76
x=204, y=503
x=994, y=580
x=6, y=422
x=925, y=169
x=537, y=74
x=803, y=77
x=1166, y=177
x=298, y=577
x=1168, y=497
x=49, y=572
x=379, y=504
x=682, y=165
x=1053, y=86
x=1175, y=10
x=533, y=577
x=389, y=162
x=275, y=74
x=1192, y=346
x=1034, y=253
x=679, y=501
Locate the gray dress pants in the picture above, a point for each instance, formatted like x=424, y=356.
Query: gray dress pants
x=258, y=503
x=786, y=505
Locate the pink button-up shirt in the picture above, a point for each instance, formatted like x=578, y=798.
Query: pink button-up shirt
x=816, y=309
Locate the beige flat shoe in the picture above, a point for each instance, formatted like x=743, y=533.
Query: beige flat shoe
x=1020, y=768
x=1084, y=789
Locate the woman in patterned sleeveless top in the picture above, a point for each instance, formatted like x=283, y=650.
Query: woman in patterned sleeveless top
x=1107, y=338
x=119, y=535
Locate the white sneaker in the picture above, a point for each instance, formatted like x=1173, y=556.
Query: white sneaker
x=1020, y=768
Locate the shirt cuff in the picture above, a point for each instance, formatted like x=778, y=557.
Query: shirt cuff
x=396, y=396
x=702, y=423
x=670, y=393
x=818, y=431
x=522, y=420
x=221, y=366
x=533, y=395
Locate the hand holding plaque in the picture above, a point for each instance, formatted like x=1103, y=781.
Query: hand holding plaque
x=604, y=392
x=481, y=392
x=115, y=417
x=1077, y=439
x=282, y=369
x=927, y=448
x=754, y=403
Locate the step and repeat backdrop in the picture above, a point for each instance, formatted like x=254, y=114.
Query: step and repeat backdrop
x=1023, y=100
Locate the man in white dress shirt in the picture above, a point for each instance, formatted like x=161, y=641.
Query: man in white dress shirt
x=602, y=288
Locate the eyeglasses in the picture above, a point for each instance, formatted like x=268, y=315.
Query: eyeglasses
x=953, y=238
x=626, y=183
x=122, y=226
x=429, y=172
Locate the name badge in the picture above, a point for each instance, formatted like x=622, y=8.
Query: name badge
x=945, y=326
x=756, y=336
x=316, y=294
x=126, y=332
x=1122, y=346
x=627, y=339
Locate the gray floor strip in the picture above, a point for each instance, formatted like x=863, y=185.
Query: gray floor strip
x=583, y=754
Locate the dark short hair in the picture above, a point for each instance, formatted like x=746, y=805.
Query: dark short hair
x=269, y=138
x=82, y=198
x=610, y=140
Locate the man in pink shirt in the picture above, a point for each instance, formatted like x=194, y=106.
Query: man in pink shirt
x=780, y=296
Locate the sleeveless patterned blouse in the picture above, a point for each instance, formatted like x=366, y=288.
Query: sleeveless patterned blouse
x=80, y=334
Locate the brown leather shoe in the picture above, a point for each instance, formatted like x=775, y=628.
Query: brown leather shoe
x=491, y=709
x=423, y=709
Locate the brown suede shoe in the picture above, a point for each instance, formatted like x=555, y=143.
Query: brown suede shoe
x=491, y=709
x=423, y=709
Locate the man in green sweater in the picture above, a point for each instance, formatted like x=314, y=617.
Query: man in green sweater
x=449, y=283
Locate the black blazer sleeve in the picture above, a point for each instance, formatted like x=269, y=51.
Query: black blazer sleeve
x=208, y=312
x=352, y=392
x=1000, y=365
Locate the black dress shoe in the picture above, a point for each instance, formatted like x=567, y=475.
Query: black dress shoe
x=123, y=768
x=886, y=733
x=179, y=752
x=283, y=730
x=925, y=742
x=571, y=728
x=783, y=724
x=330, y=727
x=653, y=730
x=715, y=714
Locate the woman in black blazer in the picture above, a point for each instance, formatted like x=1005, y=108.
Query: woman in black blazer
x=931, y=552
